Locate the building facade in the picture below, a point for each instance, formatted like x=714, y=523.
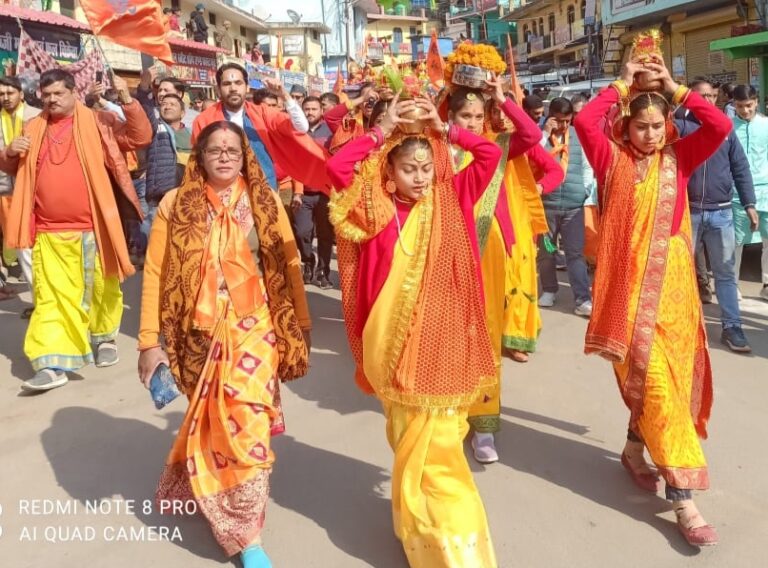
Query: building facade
x=689, y=28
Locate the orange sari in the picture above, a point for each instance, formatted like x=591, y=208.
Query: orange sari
x=662, y=365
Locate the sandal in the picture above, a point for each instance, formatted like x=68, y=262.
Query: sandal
x=645, y=481
x=705, y=535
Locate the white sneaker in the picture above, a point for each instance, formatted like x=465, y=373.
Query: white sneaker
x=484, y=448
x=584, y=309
x=764, y=292
x=546, y=300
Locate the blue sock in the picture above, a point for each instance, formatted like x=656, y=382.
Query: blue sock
x=255, y=557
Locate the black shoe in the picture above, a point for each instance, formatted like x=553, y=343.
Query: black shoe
x=705, y=294
x=734, y=338
x=307, y=274
x=324, y=283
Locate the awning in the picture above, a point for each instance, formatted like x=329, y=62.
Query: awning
x=580, y=41
x=741, y=47
x=194, y=45
x=42, y=17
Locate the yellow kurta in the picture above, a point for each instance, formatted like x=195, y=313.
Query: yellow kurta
x=665, y=424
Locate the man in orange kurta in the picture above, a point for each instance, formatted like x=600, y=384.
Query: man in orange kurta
x=280, y=149
x=65, y=209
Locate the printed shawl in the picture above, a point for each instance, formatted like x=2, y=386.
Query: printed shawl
x=188, y=344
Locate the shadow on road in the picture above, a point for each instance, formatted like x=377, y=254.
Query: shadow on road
x=95, y=456
x=331, y=379
x=594, y=473
x=342, y=495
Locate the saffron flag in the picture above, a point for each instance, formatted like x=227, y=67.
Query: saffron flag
x=515, y=87
x=279, y=57
x=338, y=85
x=136, y=24
x=434, y=62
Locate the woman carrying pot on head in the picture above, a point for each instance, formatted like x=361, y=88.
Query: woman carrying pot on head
x=223, y=290
x=647, y=317
x=413, y=308
x=494, y=227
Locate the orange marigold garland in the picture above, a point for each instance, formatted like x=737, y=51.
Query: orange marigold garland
x=476, y=55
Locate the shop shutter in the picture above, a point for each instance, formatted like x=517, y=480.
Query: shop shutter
x=699, y=60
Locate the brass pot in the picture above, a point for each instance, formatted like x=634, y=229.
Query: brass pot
x=418, y=126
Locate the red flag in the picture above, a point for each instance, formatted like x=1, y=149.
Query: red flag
x=515, y=87
x=136, y=24
x=434, y=61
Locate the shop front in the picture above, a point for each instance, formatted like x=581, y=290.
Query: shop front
x=57, y=35
x=195, y=64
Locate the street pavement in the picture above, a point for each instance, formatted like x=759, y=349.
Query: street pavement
x=78, y=465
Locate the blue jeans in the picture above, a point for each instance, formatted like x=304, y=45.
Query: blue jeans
x=715, y=230
x=569, y=225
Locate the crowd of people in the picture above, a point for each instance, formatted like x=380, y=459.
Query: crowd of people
x=447, y=215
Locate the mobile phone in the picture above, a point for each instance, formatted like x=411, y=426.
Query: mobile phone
x=99, y=76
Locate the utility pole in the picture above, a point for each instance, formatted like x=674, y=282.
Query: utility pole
x=589, y=29
x=325, y=35
x=350, y=21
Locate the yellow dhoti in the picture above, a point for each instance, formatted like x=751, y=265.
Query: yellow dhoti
x=222, y=458
x=75, y=305
x=437, y=510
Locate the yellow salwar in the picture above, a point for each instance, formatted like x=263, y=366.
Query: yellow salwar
x=222, y=458
x=665, y=423
x=437, y=511
x=522, y=318
x=75, y=305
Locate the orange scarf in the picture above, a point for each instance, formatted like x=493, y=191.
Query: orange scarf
x=107, y=227
x=559, y=149
x=228, y=250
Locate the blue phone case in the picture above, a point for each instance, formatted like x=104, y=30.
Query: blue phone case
x=162, y=386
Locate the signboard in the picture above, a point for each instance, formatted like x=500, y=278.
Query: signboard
x=257, y=74
x=293, y=45
x=537, y=43
x=317, y=86
x=63, y=46
x=624, y=5
x=291, y=78
x=678, y=68
x=193, y=67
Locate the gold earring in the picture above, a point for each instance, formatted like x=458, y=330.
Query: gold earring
x=390, y=187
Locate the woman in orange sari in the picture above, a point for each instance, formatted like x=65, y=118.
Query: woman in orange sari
x=413, y=307
x=647, y=317
x=223, y=289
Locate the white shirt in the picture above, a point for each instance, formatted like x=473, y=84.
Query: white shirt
x=298, y=118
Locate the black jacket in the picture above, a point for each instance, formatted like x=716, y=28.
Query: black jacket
x=711, y=184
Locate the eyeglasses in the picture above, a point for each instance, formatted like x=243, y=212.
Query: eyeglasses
x=217, y=153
